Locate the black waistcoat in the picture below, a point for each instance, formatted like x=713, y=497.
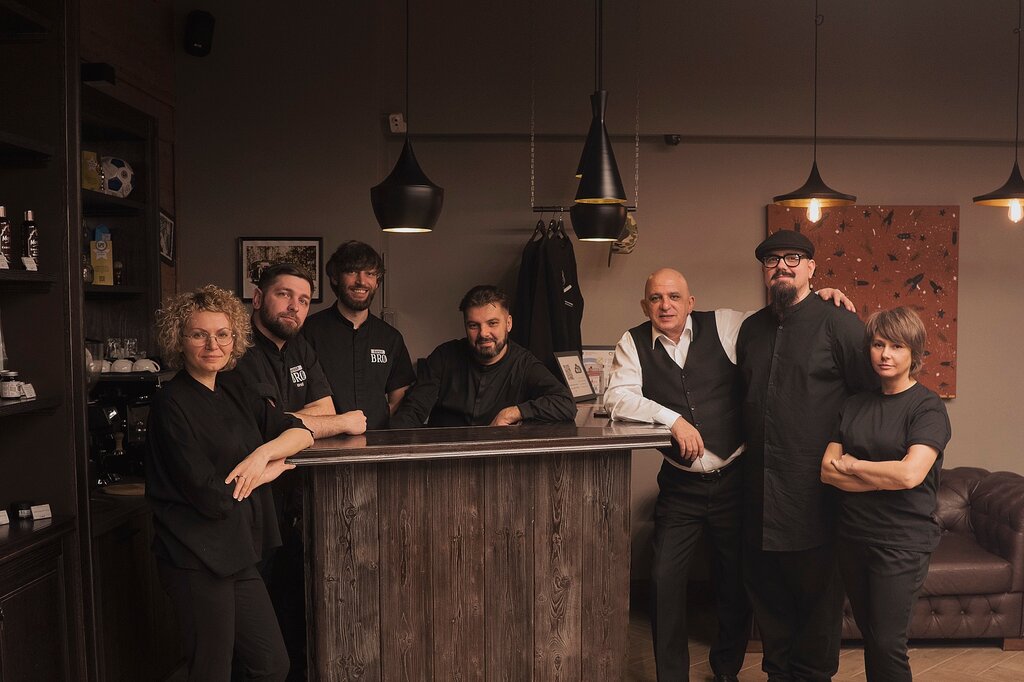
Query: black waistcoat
x=706, y=391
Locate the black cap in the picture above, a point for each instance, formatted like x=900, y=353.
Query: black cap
x=785, y=239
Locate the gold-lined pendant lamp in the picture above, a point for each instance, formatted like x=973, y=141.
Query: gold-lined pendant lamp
x=814, y=194
x=1011, y=194
x=599, y=211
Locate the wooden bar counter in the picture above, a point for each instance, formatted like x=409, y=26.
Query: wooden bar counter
x=481, y=553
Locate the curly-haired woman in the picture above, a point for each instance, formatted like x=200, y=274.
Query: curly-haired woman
x=212, y=447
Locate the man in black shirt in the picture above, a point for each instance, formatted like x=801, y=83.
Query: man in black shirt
x=283, y=369
x=484, y=379
x=364, y=358
x=281, y=366
x=799, y=359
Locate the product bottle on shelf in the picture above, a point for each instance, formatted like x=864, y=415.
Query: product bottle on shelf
x=88, y=274
x=6, y=240
x=30, y=237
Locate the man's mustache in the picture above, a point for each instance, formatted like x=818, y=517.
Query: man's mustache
x=782, y=273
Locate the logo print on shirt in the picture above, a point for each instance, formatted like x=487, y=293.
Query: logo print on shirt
x=298, y=375
x=378, y=356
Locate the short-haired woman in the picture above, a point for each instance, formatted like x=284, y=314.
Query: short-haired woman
x=886, y=457
x=212, y=447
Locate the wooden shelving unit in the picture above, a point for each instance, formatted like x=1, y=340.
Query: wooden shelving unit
x=26, y=405
x=18, y=149
x=19, y=23
x=42, y=440
x=99, y=204
x=111, y=128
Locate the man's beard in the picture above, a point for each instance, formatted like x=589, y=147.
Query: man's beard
x=353, y=304
x=783, y=296
x=499, y=345
x=277, y=327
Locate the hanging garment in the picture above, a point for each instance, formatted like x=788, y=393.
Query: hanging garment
x=548, y=297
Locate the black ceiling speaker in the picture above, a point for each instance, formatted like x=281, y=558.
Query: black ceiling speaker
x=198, y=33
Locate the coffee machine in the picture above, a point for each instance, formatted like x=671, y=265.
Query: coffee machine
x=118, y=415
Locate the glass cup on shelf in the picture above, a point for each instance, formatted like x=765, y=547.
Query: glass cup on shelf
x=131, y=349
x=114, y=349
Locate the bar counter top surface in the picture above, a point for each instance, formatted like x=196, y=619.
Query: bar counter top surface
x=587, y=434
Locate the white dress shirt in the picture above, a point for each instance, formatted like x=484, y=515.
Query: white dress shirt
x=625, y=398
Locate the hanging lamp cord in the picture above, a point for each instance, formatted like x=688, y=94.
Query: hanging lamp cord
x=407, y=22
x=819, y=19
x=1016, y=134
x=636, y=129
x=533, y=107
x=598, y=44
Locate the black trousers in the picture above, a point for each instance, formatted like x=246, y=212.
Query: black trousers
x=882, y=585
x=286, y=573
x=689, y=505
x=221, y=617
x=798, y=602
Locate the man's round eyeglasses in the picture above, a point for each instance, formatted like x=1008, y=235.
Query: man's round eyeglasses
x=201, y=338
x=790, y=259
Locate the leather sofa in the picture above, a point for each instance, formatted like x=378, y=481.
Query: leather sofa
x=975, y=583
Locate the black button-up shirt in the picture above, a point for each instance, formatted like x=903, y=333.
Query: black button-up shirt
x=290, y=376
x=797, y=372
x=196, y=437
x=453, y=389
x=362, y=365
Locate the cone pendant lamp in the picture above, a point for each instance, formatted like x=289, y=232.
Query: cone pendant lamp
x=1011, y=194
x=407, y=200
x=814, y=194
x=599, y=213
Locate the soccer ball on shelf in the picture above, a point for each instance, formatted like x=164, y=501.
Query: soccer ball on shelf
x=118, y=176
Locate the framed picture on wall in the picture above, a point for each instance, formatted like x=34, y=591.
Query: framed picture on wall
x=571, y=364
x=256, y=254
x=166, y=238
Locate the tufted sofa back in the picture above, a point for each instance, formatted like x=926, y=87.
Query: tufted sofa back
x=953, y=506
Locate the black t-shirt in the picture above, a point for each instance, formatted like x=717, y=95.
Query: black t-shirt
x=880, y=428
x=453, y=389
x=362, y=365
x=291, y=377
x=196, y=437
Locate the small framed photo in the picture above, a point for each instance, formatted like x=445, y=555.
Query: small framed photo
x=166, y=238
x=256, y=254
x=597, y=363
x=571, y=364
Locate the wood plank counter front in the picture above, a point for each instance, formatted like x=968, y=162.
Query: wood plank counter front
x=482, y=553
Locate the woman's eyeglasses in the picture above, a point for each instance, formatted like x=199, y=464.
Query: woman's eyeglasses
x=200, y=338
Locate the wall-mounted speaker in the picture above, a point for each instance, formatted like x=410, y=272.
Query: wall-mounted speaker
x=198, y=33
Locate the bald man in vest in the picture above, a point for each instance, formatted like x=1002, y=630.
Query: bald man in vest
x=679, y=369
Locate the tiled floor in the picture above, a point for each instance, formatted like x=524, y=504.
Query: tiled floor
x=976, y=661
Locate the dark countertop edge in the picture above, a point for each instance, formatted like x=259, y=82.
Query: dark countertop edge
x=20, y=537
x=109, y=511
x=463, y=450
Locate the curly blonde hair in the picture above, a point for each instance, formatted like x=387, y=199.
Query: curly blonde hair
x=178, y=310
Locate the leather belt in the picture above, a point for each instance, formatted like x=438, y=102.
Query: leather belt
x=715, y=475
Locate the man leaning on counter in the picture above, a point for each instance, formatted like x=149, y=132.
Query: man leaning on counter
x=484, y=379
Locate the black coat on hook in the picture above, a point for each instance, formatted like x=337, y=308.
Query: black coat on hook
x=548, y=309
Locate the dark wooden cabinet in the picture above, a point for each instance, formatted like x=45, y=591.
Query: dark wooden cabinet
x=138, y=636
x=37, y=631
x=43, y=633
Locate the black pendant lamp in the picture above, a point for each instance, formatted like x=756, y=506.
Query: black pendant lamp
x=599, y=213
x=815, y=194
x=1011, y=194
x=407, y=201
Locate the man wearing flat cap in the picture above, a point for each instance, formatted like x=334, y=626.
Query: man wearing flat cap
x=799, y=359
